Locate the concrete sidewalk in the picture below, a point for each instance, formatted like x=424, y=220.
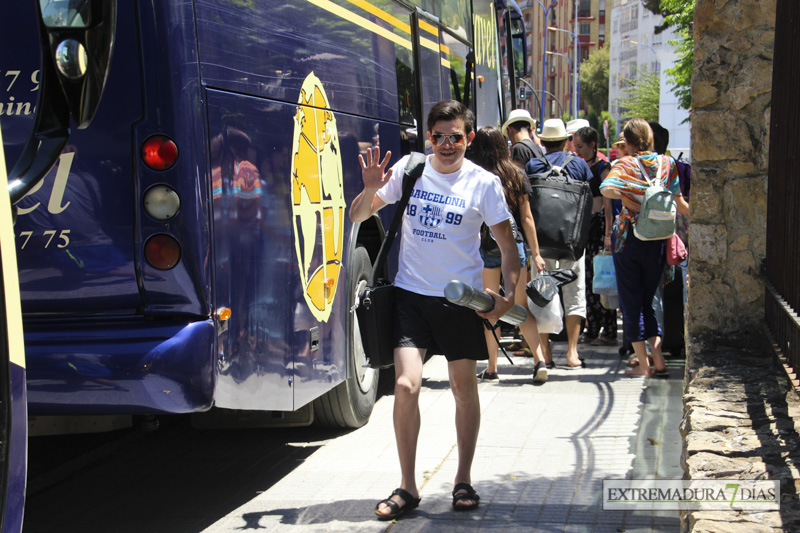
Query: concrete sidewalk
x=542, y=455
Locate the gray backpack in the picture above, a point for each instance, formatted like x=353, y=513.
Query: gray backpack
x=656, y=220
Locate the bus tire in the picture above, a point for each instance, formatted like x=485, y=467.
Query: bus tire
x=349, y=404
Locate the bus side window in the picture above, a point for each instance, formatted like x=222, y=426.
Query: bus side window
x=458, y=66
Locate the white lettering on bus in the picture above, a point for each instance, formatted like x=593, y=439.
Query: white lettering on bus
x=23, y=108
x=485, y=44
x=7, y=81
x=15, y=75
x=54, y=206
x=63, y=237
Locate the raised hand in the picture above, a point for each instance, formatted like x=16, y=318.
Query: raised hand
x=373, y=172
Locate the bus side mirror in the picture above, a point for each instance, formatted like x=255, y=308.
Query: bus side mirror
x=77, y=39
x=80, y=35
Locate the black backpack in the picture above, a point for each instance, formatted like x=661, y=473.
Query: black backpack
x=562, y=211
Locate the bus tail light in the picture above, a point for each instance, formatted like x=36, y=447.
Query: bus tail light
x=161, y=202
x=159, y=152
x=162, y=251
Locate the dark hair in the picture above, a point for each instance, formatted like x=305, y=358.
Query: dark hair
x=553, y=144
x=490, y=151
x=588, y=135
x=451, y=110
x=520, y=125
x=660, y=137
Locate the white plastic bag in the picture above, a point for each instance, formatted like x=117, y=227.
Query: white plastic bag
x=550, y=318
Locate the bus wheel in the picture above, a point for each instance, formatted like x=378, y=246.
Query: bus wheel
x=350, y=404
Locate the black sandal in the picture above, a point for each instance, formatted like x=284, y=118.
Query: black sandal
x=411, y=503
x=468, y=494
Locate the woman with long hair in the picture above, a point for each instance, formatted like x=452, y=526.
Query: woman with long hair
x=640, y=263
x=585, y=143
x=489, y=149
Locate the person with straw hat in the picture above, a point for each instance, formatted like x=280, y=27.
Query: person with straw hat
x=617, y=148
x=520, y=129
x=554, y=138
x=572, y=127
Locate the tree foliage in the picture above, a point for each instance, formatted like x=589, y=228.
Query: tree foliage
x=594, y=79
x=680, y=15
x=641, y=96
x=653, y=6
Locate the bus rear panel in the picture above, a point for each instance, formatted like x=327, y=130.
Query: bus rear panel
x=214, y=271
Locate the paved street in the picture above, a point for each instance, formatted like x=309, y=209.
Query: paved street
x=542, y=455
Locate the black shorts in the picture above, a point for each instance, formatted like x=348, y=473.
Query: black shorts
x=441, y=327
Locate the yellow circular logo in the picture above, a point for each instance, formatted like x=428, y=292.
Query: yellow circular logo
x=317, y=198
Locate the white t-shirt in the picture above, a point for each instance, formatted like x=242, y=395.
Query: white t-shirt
x=441, y=225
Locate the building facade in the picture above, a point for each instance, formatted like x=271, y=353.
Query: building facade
x=551, y=27
x=634, y=46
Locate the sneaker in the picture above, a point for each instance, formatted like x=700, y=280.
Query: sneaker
x=488, y=376
x=540, y=372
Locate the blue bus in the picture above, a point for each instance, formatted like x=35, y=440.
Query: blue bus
x=75, y=58
x=189, y=251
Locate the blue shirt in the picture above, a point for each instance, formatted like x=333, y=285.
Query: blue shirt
x=577, y=168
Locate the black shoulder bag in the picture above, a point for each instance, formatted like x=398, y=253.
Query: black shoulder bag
x=375, y=306
x=562, y=210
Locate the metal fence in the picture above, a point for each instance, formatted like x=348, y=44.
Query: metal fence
x=782, y=276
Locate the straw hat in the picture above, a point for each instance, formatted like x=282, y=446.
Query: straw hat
x=620, y=141
x=575, y=125
x=518, y=115
x=553, y=130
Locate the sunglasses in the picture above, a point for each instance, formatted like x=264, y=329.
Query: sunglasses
x=454, y=138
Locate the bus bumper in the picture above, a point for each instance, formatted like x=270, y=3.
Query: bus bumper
x=138, y=368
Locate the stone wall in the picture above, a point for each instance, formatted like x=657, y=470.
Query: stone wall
x=741, y=421
x=740, y=409
x=731, y=96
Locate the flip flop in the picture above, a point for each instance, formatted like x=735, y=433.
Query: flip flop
x=633, y=361
x=602, y=341
x=411, y=503
x=468, y=494
x=575, y=367
x=663, y=373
